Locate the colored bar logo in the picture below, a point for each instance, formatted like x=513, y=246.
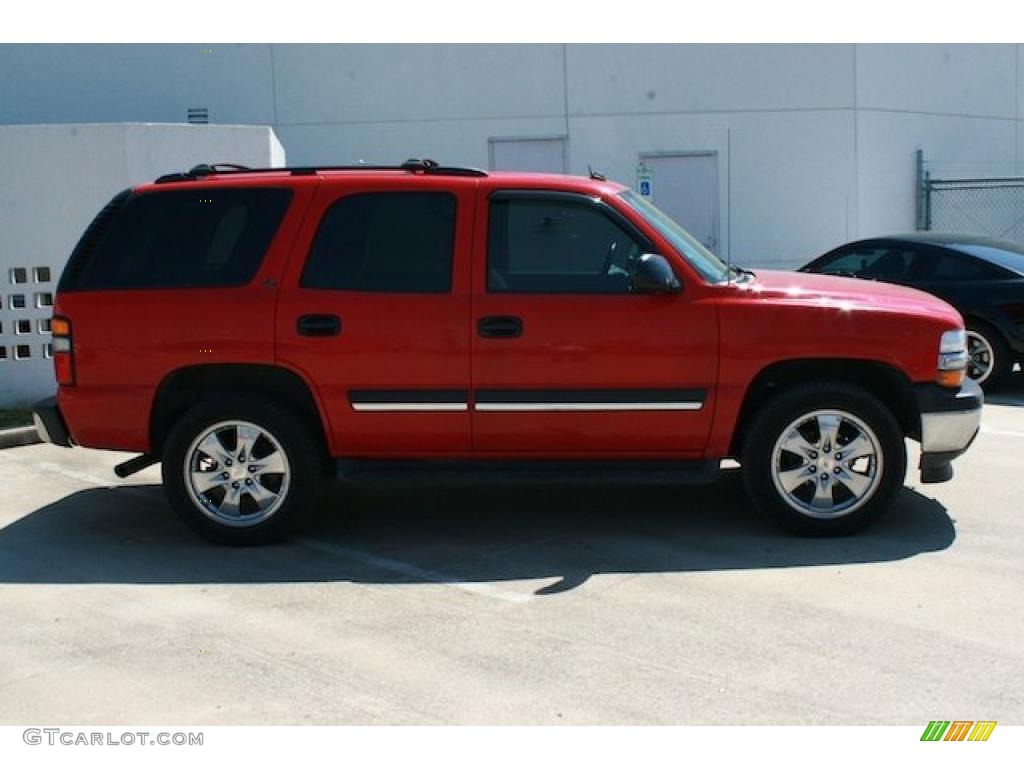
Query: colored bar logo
x=958, y=730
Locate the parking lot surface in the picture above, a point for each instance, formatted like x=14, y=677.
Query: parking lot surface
x=500, y=604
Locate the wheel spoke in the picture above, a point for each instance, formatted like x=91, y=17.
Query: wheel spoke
x=857, y=448
x=828, y=428
x=230, y=505
x=214, y=448
x=792, y=479
x=204, y=481
x=797, y=444
x=857, y=483
x=823, y=494
x=262, y=495
x=247, y=437
x=272, y=464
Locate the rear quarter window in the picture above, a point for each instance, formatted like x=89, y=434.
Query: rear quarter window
x=953, y=267
x=185, y=239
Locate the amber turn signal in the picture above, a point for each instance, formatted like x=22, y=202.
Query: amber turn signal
x=950, y=378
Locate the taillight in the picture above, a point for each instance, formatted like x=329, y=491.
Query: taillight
x=63, y=351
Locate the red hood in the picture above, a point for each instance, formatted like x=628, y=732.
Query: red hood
x=848, y=293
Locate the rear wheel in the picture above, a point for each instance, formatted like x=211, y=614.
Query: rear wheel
x=241, y=471
x=825, y=458
x=989, y=361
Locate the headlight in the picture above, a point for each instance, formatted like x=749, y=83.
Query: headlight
x=953, y=341
x=952, y=363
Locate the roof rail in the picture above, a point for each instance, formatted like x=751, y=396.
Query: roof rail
x=424, y=166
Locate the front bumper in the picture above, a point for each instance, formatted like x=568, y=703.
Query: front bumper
x=49, y=422
x=950, y=419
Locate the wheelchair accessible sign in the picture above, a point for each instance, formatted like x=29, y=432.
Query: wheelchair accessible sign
x=645, y=180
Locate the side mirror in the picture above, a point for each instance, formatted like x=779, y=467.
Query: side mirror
x=652, y=273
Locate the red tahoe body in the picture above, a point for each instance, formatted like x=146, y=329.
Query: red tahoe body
x=248, y=328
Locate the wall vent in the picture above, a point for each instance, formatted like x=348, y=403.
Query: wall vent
x=198, y=115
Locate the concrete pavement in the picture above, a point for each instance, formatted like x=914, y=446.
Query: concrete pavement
x=474, y=604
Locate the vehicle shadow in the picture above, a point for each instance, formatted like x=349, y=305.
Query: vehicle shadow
x=460, y=533
x=1010, y=393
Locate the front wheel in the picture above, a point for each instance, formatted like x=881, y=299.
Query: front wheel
x=241, y=471
x=824, y=459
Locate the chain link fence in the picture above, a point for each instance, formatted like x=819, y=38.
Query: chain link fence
x=993, y=207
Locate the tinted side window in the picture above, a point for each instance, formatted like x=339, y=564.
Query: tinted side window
x=546, y=246
x=186, y=239
x=851, y=263
x=951, y=267
x=877, y=263
x=398, y=242
x=892, y=264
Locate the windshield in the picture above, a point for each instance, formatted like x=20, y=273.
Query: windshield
x=700, y=258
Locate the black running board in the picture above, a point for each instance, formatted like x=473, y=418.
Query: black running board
x=499, y=472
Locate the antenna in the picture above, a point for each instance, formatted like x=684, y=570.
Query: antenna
x=728, y=267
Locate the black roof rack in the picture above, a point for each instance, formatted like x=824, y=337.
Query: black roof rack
x=425, y=166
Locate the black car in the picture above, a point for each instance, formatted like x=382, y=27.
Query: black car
x=983, y=278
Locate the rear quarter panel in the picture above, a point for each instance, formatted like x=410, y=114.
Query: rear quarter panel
x=127, y=341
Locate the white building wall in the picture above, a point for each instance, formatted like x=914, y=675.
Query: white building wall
x=660, y=79
x=55, y=179
x=135, y=83
x=975, y=80
x=954, y=145
x=353, y=84
x=815, y=143
x=960, y=104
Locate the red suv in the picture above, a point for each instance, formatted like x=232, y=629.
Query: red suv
x=248, y=328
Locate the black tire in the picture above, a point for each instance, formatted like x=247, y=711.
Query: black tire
x=293, y=500
x=764, y=470
x=1001, y=366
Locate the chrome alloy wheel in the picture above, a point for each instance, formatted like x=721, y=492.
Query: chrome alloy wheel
x=237, y=473
x=979, y=357
x=826, y=463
